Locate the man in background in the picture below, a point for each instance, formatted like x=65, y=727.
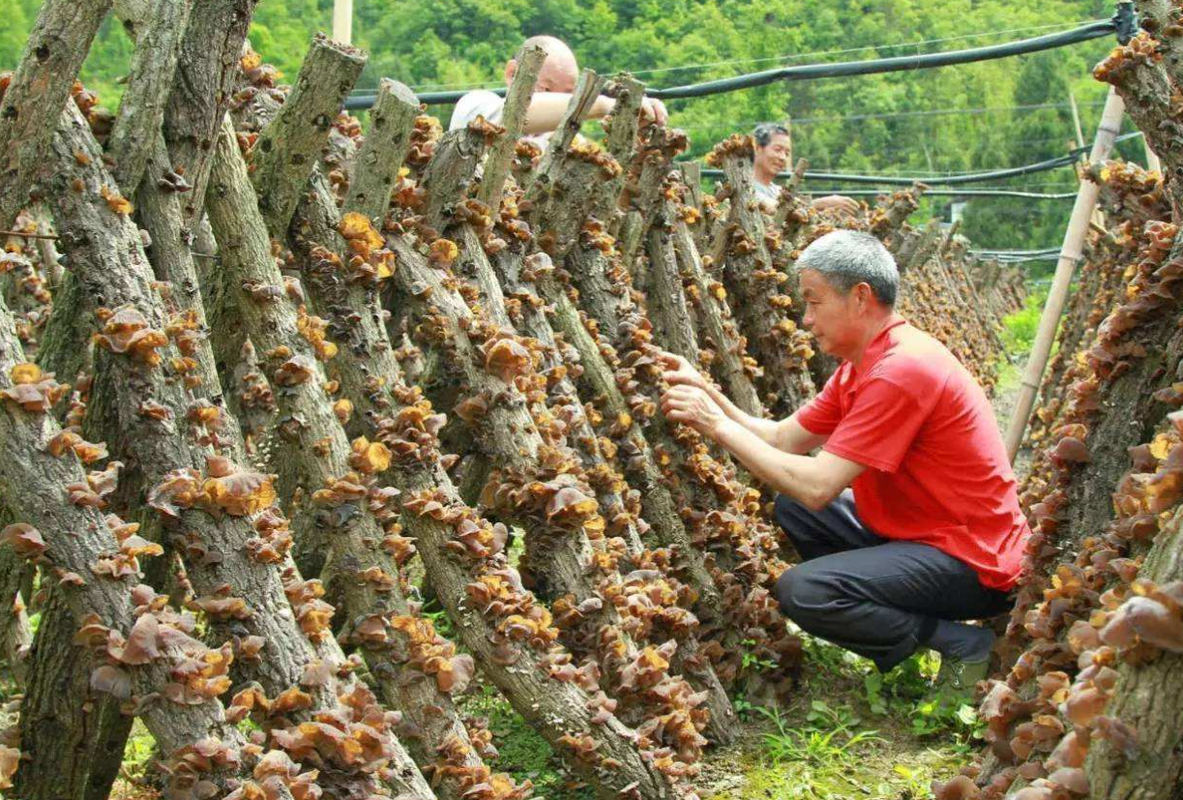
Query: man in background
x=552, y=93
x=773, y=155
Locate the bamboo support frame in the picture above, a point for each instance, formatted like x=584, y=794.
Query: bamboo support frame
x=1070, y=253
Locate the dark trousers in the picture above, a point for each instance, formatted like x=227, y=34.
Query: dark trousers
x=874, y=596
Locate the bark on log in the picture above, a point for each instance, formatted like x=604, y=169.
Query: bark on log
x=455, y=328
x=15, y=635
x=156, y=414
x=1144, y=700
x=332, y=480
x=666, y=299
x=289, y=147
x=375, y=170
x=754, y=287
x=729, y=361
x=159, y=212
x=513, y=119
x=38, y=91
x=63, y=714
x=449, y=175
x=207, y=73
x=539, y=485
x=1142, y=82
x=141, y=111
x=712, y=503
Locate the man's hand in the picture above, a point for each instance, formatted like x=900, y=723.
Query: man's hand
x=653, y=112
x=693, y=406
x=837, y=202
x=680, y=372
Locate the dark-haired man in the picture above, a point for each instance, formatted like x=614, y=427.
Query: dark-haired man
x=773, y=155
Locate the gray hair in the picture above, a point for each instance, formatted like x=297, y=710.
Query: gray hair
x=766, y=130
x=848, y=258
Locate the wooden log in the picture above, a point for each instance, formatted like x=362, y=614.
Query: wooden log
x=651, y=164
x=701, y=491
x=335, y=480
x=449, y=176
x=729, y=361
x=666, y=299
x=559, y=370
x=1144, y=701
x=159, y=212
x=141, y=111
x=38, y=91
x=375, y=170
x=538, y=485
x=207, y=74
x=371, y=381
x=221, y=550
x=754, y=287
x=15, y=633
x=63, y=712
x=288, y=148
x=513, y=120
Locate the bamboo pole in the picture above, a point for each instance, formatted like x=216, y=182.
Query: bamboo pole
x=1070, y=253
x=343, y=21
x=1076, y=120
x=1152, y=162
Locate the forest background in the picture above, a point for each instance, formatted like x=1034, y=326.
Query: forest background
x=955, y=119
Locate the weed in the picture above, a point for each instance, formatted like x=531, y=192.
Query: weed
x=813, y=743
x=750, y=660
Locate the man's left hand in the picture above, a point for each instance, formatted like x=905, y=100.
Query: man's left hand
x=693, y=406
x=653, y=112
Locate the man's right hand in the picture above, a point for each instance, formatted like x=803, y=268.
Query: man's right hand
x=680, y=372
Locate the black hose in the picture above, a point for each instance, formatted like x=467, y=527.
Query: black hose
x=949, y=193
x=805, y=72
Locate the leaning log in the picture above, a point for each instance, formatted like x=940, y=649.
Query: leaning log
x=330, y=482
x=34, y=96
x=288, y=148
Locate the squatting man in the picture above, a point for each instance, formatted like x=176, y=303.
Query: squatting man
x=907, y=520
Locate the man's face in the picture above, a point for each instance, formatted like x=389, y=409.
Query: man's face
x=774, y=156
x=832, y=317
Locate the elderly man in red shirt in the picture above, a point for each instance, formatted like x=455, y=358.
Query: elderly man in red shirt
x=931, y=534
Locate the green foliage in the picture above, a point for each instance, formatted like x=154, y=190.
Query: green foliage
x=907, y=692
x=827, y=739
x=878, y=123
x=1019, y=328
x=523, y=753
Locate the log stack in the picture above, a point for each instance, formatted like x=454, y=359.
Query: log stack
x=257, y=307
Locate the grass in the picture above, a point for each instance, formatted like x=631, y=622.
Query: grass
x=848, y=732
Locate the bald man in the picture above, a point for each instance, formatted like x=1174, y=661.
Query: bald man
x=552, y=93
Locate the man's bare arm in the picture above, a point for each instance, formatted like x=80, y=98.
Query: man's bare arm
x=812, y=481
x=547, y=108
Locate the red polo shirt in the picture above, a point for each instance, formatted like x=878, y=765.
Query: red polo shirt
x=937, y=470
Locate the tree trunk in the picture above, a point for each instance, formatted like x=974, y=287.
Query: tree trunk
x=38, y=91
x=375, y=170
x=754, y=288
x=137, y=124
x=331, y=486
x=289, y=147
